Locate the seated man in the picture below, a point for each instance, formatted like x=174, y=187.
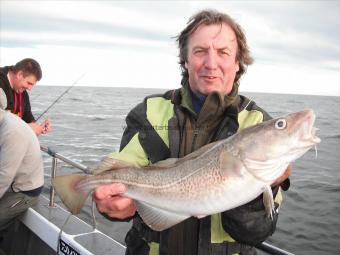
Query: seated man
x=21, y=167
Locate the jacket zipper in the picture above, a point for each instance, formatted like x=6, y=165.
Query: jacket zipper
x=195, y=133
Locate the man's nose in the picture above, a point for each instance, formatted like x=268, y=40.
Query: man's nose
x=211, y=60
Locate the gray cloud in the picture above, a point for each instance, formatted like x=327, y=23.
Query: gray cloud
x=318, y=18
x=303, y=32
x=24, y=22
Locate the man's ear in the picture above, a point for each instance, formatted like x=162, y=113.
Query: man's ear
x=237, y=68
x=19, y=75
x=186, y=64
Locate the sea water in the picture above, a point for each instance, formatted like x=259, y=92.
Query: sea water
x=88, y=123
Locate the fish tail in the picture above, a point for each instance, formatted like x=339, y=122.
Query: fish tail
x=65, y=186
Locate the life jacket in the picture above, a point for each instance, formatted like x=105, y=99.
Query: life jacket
x=157, y=136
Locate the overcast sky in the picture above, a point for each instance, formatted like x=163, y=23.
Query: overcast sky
x=296, y=44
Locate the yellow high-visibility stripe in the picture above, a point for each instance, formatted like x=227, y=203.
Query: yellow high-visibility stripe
x=158, y=112
x=249, y=118
x=154, y=248
x=132, y=153
x=218, y=234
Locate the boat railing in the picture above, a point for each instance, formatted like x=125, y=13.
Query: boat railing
x=264, y=246
x=55, y=156
x=271, y=249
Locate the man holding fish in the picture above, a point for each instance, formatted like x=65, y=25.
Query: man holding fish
x=207, y=108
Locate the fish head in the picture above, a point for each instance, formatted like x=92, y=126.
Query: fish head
x=267, y=149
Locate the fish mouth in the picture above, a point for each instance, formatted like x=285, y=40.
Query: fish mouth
x=315, y=139
x=310, y=135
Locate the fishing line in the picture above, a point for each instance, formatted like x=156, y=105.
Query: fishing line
x=316, y=152
x=55, y=101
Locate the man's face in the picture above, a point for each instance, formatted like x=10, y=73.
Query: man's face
x=211, y=63
x=22, y=83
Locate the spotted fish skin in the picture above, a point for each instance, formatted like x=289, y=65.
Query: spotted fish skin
x=217, y=177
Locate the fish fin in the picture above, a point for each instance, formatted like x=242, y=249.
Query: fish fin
x=65, y=187
x=158, y=219
x=110, y=164
x=268, y=201
x=230, y=164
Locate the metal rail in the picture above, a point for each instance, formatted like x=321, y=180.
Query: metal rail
x=266, y=247
x=55, y=156
x=271, y=249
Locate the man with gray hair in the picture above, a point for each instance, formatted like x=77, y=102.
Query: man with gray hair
x=21, y=167
x=213, y=55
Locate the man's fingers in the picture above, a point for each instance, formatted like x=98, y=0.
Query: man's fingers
x=109, y=201
x=115, y=204
x=105, y=191
x=46, y=125
x=130, y=211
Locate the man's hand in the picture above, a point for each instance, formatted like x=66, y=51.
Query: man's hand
x=42, y=128
x=47, y=126
x=110, y=202
x=283, y=177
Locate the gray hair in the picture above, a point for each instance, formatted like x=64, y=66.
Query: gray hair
x=212, y=17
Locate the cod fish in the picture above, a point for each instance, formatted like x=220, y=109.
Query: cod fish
x=217, y=177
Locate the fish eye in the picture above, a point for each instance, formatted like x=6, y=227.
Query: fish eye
x=280, y=124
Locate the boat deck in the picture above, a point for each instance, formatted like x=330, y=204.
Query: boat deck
x=38, y=233
x=40, y=229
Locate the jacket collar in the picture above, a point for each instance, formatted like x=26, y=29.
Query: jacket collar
x=224, y=101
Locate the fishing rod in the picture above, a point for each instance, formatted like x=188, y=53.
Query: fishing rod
x=55, y=101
